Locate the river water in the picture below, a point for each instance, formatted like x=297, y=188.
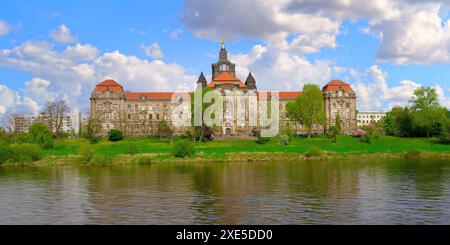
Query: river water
x=313, y=192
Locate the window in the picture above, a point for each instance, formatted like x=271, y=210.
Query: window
x=157, y=116
x=129, y=116
x=136, y=107
x=150, y=116
x=129, y=107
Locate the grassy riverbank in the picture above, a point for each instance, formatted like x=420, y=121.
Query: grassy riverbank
x=151, y=150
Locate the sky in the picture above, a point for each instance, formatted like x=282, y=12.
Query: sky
x=51, y=50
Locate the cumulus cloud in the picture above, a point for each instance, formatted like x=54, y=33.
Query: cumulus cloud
x=153, y=50
x=62, y=34
x=410, y=31
x=12, y=102
x=374, y=93
x=281, y=71
x=81, y=52
x=418, y=36
x=264, y=20
x=5, y=28
x=71, y=74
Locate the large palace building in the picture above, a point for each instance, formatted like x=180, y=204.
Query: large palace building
x=138, y=113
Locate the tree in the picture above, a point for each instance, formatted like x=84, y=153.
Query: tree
x=425, y=98
x=199, y=131
x=398, y=122
x=308, y=107
x=426, y=108
x=338, y=123
x=164, y=130
x=55, y=112
x=93, y=128
x=40, y=135
x=334, y=131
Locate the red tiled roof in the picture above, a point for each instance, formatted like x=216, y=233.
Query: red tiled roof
x=283, y=95
x=110, y=85
x=335, y=85
x=150, y=95
x=226, y=78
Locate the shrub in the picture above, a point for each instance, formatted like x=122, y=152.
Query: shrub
x=101, y=159
x=21, y=138
x=39, y=134
x=95, y=139
x=86, y=153
x=358, y=133
x=413, y=154
x=283, y=139
x=262, y=140
x=313, y=152
x=5, y=152
x=26, y=152
x=115, y=135
x=144, y=160
x=183, y=149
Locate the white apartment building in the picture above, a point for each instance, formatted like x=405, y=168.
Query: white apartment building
x=364, y=118
x=71, y=122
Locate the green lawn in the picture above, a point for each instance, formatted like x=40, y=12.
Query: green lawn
x=217, y=149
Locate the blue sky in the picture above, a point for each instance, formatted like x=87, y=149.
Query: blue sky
x=61, y=49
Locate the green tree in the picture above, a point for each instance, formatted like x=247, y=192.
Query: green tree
x=338, y=123
x=308, y=107
x=93, y=129
x=164, y=130
x=398, y=122
x=200, y=131
x=426, y=110
x=40, y=135
x=115, y=135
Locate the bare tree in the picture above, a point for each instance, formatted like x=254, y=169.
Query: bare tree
x=55, y=112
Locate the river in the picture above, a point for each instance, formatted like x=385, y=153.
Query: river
x=311, y=192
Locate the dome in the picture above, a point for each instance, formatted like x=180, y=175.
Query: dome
x=336, y=85
x=110, y=85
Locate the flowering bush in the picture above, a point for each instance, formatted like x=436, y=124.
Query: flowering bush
x=358, y=133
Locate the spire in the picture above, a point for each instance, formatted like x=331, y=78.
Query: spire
x=223, y=43
x=202, y=80
x=250, y=82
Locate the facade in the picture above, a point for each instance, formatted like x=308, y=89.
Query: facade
x=365, y=118
x=138, y=113
x=71, y=122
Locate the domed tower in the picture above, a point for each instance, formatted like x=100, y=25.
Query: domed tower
x=339, y=98
x=108, y=105
x=223, y=64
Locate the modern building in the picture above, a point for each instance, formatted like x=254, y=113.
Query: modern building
x=365, y=118
x=138, y=113
x=71, y=122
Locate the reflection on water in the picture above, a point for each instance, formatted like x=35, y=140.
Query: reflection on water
x=332, y=192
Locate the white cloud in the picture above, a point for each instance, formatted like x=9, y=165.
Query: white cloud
x=410, y=31
x=266, y=20
x=5, y=28
x=419, y=36
x=12, y=102
x=376, y=94
x=176, y=33
x=62, y=34
x=40, y=91
x=73, y=73
x=153, y=50
x=81, y=52
x=280, y=70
